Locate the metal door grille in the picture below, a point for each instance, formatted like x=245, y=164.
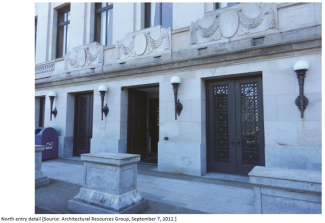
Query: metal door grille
x=235, y=130
x=221, y=131
x=249, y=124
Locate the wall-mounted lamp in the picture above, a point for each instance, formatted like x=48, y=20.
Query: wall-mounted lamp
x=301, y=67
x=175, y=81
x=52, y=95
x=102, y=89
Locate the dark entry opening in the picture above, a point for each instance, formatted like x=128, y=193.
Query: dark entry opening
x=83, y=123
x=41, y=112
x=143, y=123
x=235, y=125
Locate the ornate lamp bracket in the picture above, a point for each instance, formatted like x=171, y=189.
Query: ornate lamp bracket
x=102, y=90
x=52, y=95
x=175, y=81
x=301, y=67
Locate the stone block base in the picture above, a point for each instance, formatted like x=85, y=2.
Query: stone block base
x=42, y=182
x=78, y=207
x=286, y=191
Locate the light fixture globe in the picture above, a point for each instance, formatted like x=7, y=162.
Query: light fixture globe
x=51, y=94
x=102, y=88
x=300, y=68
x=301, y=65
x=175, y=80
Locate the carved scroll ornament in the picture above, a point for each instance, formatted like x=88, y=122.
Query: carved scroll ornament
x=254, y=22
x=215, y=31
x=204, y=32
x=144, y=44
x=154, y=44
x=82, y=57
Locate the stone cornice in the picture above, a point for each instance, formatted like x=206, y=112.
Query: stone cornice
x=181, y=60
x=180, y=30
x=287, y=4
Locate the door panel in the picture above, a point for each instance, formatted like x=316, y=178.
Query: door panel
x=137, y=123
x=83, y=123
x=222, y=153
x=235, y=124
x=249, y=125
x=154, y=124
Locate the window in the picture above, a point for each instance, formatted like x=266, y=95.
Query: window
x=63, y=31
x=159, y=14
x=221, y=5
x=104, y=23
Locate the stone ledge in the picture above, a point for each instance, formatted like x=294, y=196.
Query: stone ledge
x=180, y=30
x=286, y=191
x=283, y=5
x=115, y=159
x=288, y=179
x=287, y=174
x=190, y=57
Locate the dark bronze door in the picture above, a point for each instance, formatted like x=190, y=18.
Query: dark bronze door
x=154, y=125
x=235, y=125
x=83, y=123
x=137, y=123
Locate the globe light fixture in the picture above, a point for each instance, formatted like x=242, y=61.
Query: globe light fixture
x=102, y=90
x=301, y=67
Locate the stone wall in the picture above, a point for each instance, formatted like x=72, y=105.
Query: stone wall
x=290, y=142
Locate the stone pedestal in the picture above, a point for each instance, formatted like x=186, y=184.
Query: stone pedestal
x=286, y=191
x=110, y=185
x=40, y=179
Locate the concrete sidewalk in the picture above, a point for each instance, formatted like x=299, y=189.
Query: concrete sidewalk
x=167, y=193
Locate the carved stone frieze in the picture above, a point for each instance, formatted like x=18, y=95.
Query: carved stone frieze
x=149, y=41
x=83, y=56
x=241, y=19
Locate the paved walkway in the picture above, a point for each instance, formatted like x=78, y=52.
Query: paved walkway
x=161, y=187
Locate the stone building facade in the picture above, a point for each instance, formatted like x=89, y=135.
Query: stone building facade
x=237, y=83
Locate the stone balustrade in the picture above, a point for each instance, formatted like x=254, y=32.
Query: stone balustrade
x=45, y=68
x=286, y=191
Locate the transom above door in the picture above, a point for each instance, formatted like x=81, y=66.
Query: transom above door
x=235, y=136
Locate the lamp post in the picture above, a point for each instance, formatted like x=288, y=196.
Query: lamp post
x=175, y=81
x=52, y=95
x=102, y=90
x=301, y=67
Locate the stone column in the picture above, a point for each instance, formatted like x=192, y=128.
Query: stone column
x=286, y=191
x=40, y=179
x=110, y=185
